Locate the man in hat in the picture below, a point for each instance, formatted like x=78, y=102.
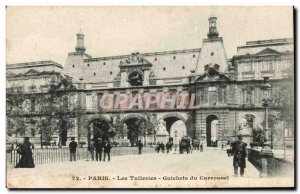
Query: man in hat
x=140, y=146
x=99, y=148
x=73, y=146
x=238, y=149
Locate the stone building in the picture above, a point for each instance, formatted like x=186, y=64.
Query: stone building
x=221, y=95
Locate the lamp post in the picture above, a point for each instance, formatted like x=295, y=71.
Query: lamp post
x=266, y=88
x=266, y=151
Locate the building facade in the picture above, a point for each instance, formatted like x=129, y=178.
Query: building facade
x=195, y=92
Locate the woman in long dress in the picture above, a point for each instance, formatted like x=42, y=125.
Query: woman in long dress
x=25, y=151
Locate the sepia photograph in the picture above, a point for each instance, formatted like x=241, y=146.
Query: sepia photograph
x=188, y=97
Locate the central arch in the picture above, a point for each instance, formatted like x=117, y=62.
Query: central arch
x=99, y=128
x=211, y=130
x=175, y=126
x=135, y=131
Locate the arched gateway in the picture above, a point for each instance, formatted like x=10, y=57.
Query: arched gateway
x=211, y=130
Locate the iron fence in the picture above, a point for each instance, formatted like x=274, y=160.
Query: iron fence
x=51, y=155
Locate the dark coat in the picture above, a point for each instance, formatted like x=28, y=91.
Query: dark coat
x=140, y=145
x=73, y=145
x=107, y=147
x=239, y=151
x=26, y=160
x=99, y=145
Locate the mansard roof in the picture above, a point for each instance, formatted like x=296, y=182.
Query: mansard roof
x=167, y=64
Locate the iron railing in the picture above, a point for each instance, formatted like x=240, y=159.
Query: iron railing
x=51, y=155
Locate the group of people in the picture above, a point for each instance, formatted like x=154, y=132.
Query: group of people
x=161, y=147
x=99, y=146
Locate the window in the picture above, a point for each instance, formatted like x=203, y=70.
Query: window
x=164, y=69
x=110, y=73
x=174, y=57
x=212, y=95
x=32, y=104
x=155, y=59
x=212, y=54
x=203, y=95
x=194, y=56
x=94, y=74
x=222, y=95
x=73, y=65
x=212, y=88
x=183, y=67
x=135, y=78
x=32, y=88
x=88, y=64
x=248, y=94
x=268, y=66
x=247, y=67
x=104, y=63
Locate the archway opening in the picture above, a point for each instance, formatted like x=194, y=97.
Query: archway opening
x=212, y=130
x=98, y=128
x=134, y=128
x=176, y=129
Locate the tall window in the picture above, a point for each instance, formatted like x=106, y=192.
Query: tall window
x=222, y=95
x=203, y=95
x=212, y=95
x=268, y=66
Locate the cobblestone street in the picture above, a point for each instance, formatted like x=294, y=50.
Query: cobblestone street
x=148, y=170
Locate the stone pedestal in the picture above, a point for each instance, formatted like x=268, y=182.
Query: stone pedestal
x=247, y=139
x=265, y=154
x=162, y=138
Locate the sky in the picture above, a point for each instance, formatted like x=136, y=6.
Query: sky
x=49, y=33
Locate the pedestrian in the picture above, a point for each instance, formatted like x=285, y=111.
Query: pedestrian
x=168, y=147
x=228, y=148
x=73, y=146
x=140, y=146
x=162, y=147
x=157, y=147
x=25, y=150
x=99, y=148
x=201, y=147
x=107, y=148
x=92, y=148
x=239, y=154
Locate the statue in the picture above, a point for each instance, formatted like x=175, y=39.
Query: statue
x=244, y=128
x=161, y=133
x=162, y=127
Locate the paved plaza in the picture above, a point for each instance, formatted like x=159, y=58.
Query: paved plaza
x=211, y=168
